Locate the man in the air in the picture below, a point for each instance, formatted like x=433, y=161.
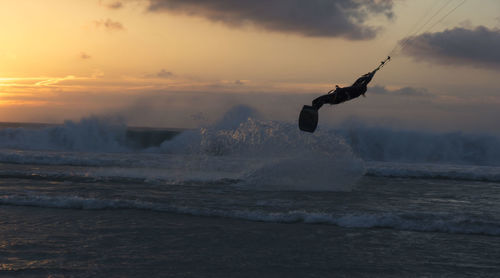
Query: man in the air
x=308, y=118
x=340, y=95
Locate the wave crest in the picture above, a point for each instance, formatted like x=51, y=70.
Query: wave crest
x=419, y=222
x=89, y=134
x=383, y=144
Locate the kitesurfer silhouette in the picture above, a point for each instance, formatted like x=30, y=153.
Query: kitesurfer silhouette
x=339, y=95
x=308, y=118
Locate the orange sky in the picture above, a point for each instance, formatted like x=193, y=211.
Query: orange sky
x=67, y=59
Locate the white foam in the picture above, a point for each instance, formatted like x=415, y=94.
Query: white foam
x=420, y=222
x=89, y=134
x=265, y=154
x=433, y=171
x=389, y=145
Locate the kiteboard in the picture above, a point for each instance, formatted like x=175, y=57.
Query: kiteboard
x=308, y=119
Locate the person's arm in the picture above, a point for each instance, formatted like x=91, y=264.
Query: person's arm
x=363, y=80
x=367, y=78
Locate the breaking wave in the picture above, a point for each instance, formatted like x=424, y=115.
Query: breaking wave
x=419, y=222
x=89, y=134
x=121, y=176
x=240, y=132
x=264, y=153
x=384, y=144
x=434, y=171
x=296, y=174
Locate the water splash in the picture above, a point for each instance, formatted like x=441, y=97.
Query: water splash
x=279, y=156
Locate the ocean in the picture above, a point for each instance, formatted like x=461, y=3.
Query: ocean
x=246, y=198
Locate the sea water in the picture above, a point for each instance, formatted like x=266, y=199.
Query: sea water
x=246, y=198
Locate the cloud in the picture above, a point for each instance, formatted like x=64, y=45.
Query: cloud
x=116, y=5
x=161, y=74
x=164, y=74
x=402, y=92
x=460, y=46
x=312, y=18
x=85, y=56
x=109, y=25
x=54, y=81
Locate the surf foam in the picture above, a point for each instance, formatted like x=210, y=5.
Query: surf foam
x=89, y=134
x=419, y=222
x=433, y=171
x=384, y=144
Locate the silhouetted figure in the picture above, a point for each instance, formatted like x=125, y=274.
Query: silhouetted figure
x=340, y=95
x=308, y=118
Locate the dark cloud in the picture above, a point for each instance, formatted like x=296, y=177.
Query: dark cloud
x=109, y=25
x=403, y=92
x=476, y=47
x=315, y=18
x=85, y=56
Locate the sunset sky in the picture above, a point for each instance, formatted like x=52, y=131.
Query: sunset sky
x=173, y=63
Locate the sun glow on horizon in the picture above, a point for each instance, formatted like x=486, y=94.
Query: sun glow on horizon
x=67, y=59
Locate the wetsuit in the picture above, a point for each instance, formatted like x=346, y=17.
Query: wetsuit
x=344, y=94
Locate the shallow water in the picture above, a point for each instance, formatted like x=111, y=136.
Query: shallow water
x=243, y=233
x=251, y=199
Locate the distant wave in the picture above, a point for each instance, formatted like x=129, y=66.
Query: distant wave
x=433, y=171
x=89, y=134
x=420, y=222
x=305, y=173
x=384, y=144
x=123, y=176
x=92, y=134
x=64, y=158
x=240, y=133
x=264, y=154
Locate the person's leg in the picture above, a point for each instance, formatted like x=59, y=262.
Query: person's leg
x=318, y=102
x=340, y=95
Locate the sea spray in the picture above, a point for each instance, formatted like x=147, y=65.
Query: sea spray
x=89, y=134
x=234, y=134
x=279, y=155
x=389, y=145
